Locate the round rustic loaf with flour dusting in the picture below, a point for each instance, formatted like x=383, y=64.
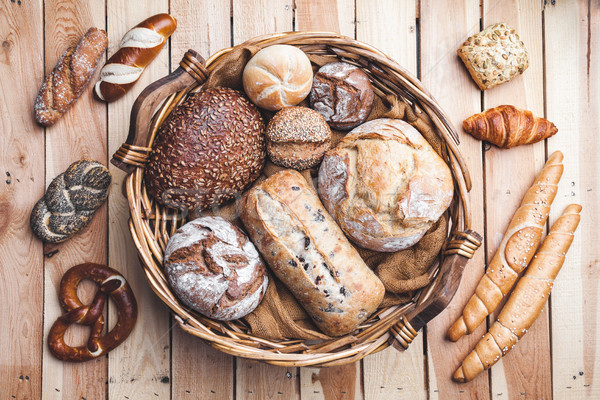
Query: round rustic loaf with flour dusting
x=342, y=94
x=210, y=148
x=214, y=268
x=385, y=185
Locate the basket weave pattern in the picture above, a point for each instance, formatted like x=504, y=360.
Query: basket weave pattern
x=151, y=224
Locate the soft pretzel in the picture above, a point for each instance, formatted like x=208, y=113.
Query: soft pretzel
x=70, y=201
x=518, y=246
x=112, y=284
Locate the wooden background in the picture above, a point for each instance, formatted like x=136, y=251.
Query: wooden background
x=557, y=358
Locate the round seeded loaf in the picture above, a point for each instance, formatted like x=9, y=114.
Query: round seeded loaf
x=215, y=269
x=297, y=137
x=210, y=148
x=385, y=185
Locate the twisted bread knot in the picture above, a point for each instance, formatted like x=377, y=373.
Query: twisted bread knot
x=112, y=284
x=70, y=201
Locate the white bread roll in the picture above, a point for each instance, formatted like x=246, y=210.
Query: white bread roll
x=278, y=76
x=385, y=185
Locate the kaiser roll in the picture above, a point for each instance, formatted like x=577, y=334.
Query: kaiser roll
x=278, y=76
x=385, y=185
x=210, y=148
x=215, y=269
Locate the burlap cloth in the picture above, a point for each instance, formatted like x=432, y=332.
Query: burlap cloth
x=279, y=315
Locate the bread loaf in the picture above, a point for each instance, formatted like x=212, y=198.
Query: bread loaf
x=210, y=148
x=138, y=48
x=309, y=253
x=278, y=76
x=214, y=269
x=297, y=137
x=70, y=201
x=71, y=75
x=385, y=185
x=342, y=94
x=515, y=251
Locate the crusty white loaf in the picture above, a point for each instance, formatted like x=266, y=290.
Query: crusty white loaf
x=278, y=76
x=309, y=253
x=385, y=185
x=214, y=269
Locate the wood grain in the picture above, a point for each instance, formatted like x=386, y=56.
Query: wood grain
x=80, y=133
x=22, y=169
x=445, y=76
x=573, y=104
x=392, y=374
x=204, y=26
x=526, y=371
x=140, y=367
x=258, y=380
x=343, y=382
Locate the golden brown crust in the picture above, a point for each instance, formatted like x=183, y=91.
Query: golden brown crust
x=63, y=86
x=516, y=250
x=508, y=126
x=309, y=253
x=527, y=300
x=385, y=185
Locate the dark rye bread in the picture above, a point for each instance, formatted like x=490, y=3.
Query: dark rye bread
x=309, y=253
x=214, y=268
x=297, y=137
x=70, y=201
x=210, y=148
x=342, y=94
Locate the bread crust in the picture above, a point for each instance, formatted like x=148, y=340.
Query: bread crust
x=309, y=253
x=385, y=185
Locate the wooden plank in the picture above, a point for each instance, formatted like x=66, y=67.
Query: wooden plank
x=140, y=367
x=80, y=133
x=258, y=380
x=392, y=374
x=343, y=382
x=326, y=16
x=526, y=370
x=573, y=104
x=204, y=26
x=22, y=169
x=445, y=76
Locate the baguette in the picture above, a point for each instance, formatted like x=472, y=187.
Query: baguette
x=138, y=48
x=518, y=246
x=527, y=300
x=63, y=86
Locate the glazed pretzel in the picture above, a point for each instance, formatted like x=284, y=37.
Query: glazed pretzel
x=112, y=284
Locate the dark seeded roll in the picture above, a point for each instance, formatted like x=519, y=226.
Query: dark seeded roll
x=210, y=148
x=297, y=137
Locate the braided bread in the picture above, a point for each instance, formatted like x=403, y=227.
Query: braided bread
x=70, y=201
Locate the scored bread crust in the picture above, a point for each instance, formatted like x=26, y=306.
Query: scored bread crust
x=385, y=185
x=309, y=253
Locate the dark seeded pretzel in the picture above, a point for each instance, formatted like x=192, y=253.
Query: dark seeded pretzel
x=112, y=284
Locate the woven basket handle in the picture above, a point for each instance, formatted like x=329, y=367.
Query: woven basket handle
x=457, y=252
x=134, y=152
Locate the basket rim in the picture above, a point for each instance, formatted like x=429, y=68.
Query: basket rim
x=232, y=340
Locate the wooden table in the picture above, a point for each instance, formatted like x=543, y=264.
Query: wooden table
x=557, y=358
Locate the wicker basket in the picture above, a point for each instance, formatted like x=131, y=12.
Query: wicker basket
x=151, y=224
